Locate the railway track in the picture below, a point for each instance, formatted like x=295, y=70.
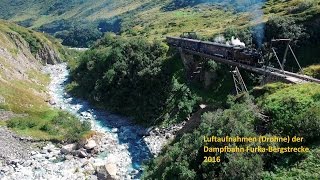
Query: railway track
x=295, y=75
x=265, y=70
x=286, y=75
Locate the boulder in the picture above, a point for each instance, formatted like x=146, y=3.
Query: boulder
x=134, y=172
x=112, y=169
x=67, y=149
x=103, y=174
x=88, y=168
x=82, y=154
x=91, y=144
x=68, y=157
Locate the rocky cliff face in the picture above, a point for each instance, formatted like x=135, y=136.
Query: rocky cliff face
x=23, y=51
x=48, y=55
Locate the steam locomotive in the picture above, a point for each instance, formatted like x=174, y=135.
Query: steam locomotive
x=230, y=52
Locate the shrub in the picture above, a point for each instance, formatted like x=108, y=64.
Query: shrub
x=184, y=159
x=244, y=34
x=63, y=127
x=313, y=71
x=22, y=123
x=307, y=124
x=306, y=169
x=294, y=111
x=77, y=131
x=132, y=77
x=79, y=35
x=283, y=27
x=301, y=7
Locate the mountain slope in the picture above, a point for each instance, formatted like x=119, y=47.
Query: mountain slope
x=154, y=19
x=22, y=54
x=35, y=13
x=23, y=85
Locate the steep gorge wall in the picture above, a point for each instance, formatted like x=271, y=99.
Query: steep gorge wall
x=23, y=53
x=23, y=50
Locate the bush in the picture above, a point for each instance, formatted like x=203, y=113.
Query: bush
x=294, y=111
x=79, y=36
x=284, y=27
x=177, y=4
x=75, y=129
x=132, y=77
x=313, y=71
x=184, y=159
x=306, y=169
x=62, y=127
x=22, y=123
x=308, y=123
x=301, y=7
x=245, y=35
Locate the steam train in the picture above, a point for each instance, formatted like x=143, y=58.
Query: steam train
x=230, y=52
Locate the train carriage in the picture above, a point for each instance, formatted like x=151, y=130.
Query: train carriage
x=230, y=52
x=190, y=44
x=216, y=49
x=174, y=41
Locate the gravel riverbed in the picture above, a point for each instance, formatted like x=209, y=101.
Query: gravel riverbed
x=116, y=152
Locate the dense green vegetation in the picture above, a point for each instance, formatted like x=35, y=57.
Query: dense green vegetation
x=294, y=114
x=284, y=27
x=184, y=159
x=313, y=71
x=297, y=106
x=115, y=74
x=79, y=36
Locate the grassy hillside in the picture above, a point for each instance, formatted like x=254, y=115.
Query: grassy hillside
x=154, y=19
x=45, y=12
x=145, y=79
x=292, y=110
x=23, y=87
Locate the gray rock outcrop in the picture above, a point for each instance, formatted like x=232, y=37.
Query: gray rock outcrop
x=90, y=145
x=47, y=55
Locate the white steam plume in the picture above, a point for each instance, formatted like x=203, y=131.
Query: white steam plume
x=236, y=42
x=220, y=39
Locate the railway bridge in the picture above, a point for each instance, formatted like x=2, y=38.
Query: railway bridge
x=193, y=67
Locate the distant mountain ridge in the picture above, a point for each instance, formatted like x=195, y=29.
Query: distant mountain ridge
x=81, y=22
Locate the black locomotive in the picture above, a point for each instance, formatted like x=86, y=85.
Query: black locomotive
x=235, y=53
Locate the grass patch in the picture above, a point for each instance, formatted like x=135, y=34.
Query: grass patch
x=207, y=21
x=306, y=169
x=3, y=123
x=313, y=71
x=40, y=121
x=51, y=125
x=299, y=9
